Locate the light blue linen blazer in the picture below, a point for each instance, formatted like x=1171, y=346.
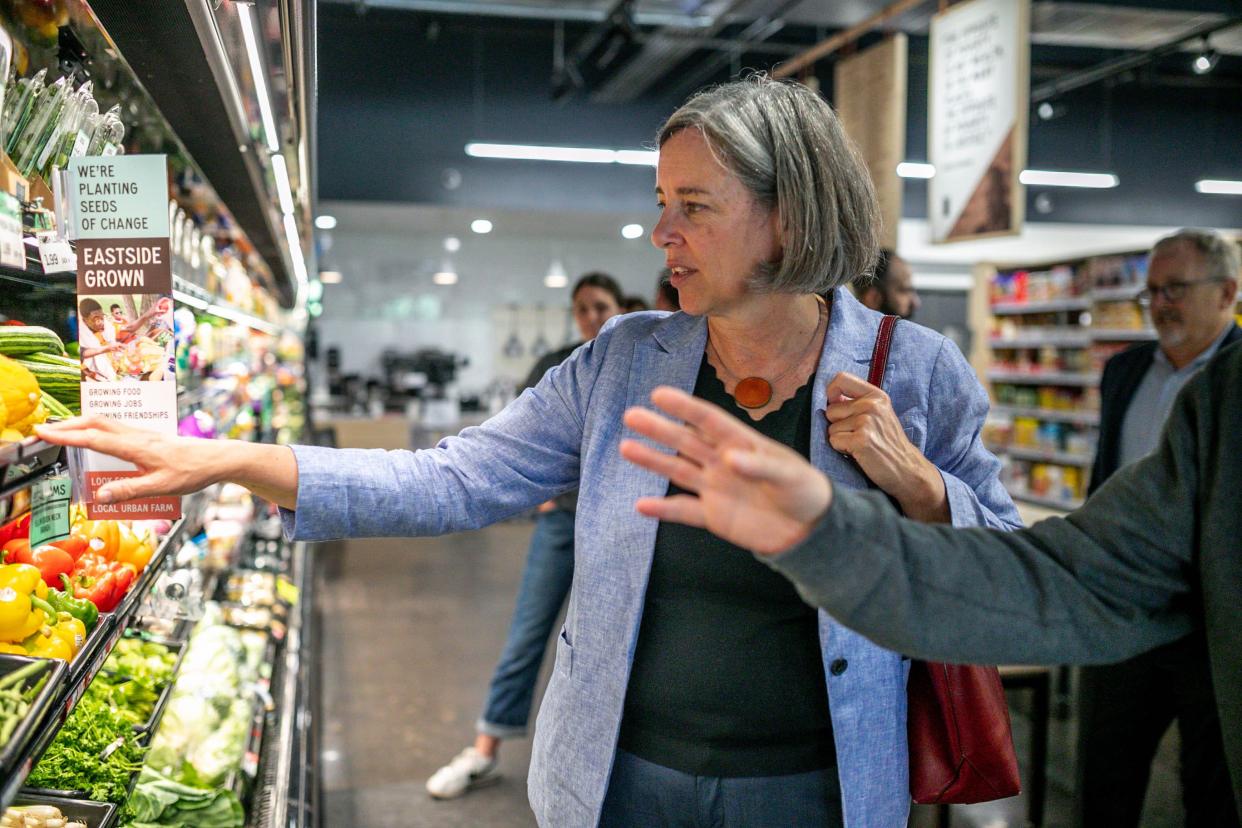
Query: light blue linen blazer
x=564, y=434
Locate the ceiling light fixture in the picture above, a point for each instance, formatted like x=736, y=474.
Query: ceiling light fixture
x=915, y=169
x=452, y=244
x=245, y=13
x=330, y=277
x=481, y=226
x=325, y=222
x=444, y=277
x=1206, y=60
x=283, y=191
x=1049, y=111
x=632, y=231
x=580, y=155
x=556, y=280
x=1218, y=186
x=1061, y=178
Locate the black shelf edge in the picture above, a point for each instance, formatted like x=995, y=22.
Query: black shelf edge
x=22, y=464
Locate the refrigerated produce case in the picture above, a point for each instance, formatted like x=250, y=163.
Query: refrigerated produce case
x=239, y=271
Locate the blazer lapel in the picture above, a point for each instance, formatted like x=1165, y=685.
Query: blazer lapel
x=847, y=347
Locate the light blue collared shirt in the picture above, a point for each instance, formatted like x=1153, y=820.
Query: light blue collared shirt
x=1153, y=400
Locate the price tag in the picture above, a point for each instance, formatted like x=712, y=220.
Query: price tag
x=57, y=257
x=49, y=518
x=12, y=251
x=80, y=144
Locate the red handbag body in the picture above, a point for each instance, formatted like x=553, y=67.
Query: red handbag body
x=957, y=721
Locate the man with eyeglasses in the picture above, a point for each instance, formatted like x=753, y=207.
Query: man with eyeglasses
x=1125, y=709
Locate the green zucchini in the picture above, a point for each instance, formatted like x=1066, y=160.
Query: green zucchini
x=16, y=340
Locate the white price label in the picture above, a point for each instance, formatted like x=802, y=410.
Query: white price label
x=80, y=144
x=12, y=251
x=57, y=257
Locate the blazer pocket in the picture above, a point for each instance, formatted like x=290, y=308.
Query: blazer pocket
x=564, y=655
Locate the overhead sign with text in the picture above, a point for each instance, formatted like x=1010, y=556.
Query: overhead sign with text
x=125, y=311
x=979, y=87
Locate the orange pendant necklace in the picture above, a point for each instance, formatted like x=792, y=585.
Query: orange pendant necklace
x=756, y=392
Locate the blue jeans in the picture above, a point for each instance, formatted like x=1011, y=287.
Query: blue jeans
x=546, y=581
x=642, y=794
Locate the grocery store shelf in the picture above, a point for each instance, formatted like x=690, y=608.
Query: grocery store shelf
x=1060, y=458
x=21, y=464
x=83, y=669
x=1050, y=415
x=1123, y=335
x=1038, y=337
x=1048, y=502
x=1128, y=293
x=1072, y=303
x=1045, y=378
x=199, y=299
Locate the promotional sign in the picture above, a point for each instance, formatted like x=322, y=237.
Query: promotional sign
x=119, y=206
x=869, y=92
x=978, y=87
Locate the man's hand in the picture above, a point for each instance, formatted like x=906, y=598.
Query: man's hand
x=746, y=488
x=863, y=426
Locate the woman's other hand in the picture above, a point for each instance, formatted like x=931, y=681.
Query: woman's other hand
x=863, y=426
x=747, y=489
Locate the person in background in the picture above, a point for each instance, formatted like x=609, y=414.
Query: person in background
x=1125, y=709
x=545, y=583
x=891, y=291
x=666, y=298
x=691, y=684
x=1150, y=558
x=634, y=303
x=99, y=337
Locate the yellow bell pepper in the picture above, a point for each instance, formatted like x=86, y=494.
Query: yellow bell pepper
x=46, y=643
x=23, y=608
x=12, y=649
x=19, y=389
x=136, y=547
x=104, y=537
x=70, y=630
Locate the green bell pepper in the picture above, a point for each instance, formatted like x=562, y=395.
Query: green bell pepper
x=80, y=608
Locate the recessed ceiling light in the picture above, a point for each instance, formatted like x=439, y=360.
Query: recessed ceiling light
x=325, y=222
x=481, y=226
x=330, y=277
x=444, y=277
x=556, y=280
x=452, y=244
x=632, y=231
x=1218, y=186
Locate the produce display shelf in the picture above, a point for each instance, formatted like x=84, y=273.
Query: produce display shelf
x=1060, y=458
x=82, y=671
x=148, y=728
x=1048, y=502
x=32, y=274
x=1128, y=293
x=1045, y=378
x=1070, y=303
x=1050, y=415
x=21, y=464
x=1123, y=335
x=196, y=297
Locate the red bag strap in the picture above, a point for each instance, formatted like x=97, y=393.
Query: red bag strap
x=879, y=354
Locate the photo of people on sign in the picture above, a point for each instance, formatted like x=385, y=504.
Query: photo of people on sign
x=126, y=337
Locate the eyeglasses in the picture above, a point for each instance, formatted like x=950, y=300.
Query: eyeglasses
x=1173, y=291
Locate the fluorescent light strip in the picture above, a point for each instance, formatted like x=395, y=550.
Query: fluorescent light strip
x=245, y=14
x=1218, y=186
x=581, y=155
x=915, y=169
x=283, y=191
x=1057, y=178
x=295, y=252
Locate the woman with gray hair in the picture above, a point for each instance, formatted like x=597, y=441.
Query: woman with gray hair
x=691, y=683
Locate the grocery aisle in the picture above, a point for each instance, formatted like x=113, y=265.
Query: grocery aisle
x=411, y=631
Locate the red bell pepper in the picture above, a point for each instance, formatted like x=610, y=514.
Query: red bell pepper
x=102, y=582
x=52, y=562
x=14, y=529
x=75, y=545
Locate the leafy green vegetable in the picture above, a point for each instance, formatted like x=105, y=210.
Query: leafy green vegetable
x=72, y=761
x=161, y=802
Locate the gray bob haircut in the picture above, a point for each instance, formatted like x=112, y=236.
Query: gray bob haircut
x=1220, y=256
x=786, y=146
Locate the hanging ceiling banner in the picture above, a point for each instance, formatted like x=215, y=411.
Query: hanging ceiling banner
x=978, y=91
x=869, y=92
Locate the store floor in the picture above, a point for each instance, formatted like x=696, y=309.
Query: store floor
x=411, y=630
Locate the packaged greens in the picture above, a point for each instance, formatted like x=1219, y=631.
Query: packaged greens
x=23, y=108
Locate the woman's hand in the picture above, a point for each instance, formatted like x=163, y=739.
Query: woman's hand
x=179, y=465
x=863, y=425
x=747, y=489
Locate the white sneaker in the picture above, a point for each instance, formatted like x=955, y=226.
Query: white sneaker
x=469, y=769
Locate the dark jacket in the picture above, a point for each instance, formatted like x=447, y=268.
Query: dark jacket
x=1122, y=376
x=1155, y=554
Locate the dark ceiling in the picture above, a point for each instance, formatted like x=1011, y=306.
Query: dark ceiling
x=402, y=91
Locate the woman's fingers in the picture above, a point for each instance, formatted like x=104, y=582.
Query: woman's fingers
x=681, y=438
x=129, y=488
x=97, y=438
x=681, y=471
x=711, y=420
x=686, y=509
